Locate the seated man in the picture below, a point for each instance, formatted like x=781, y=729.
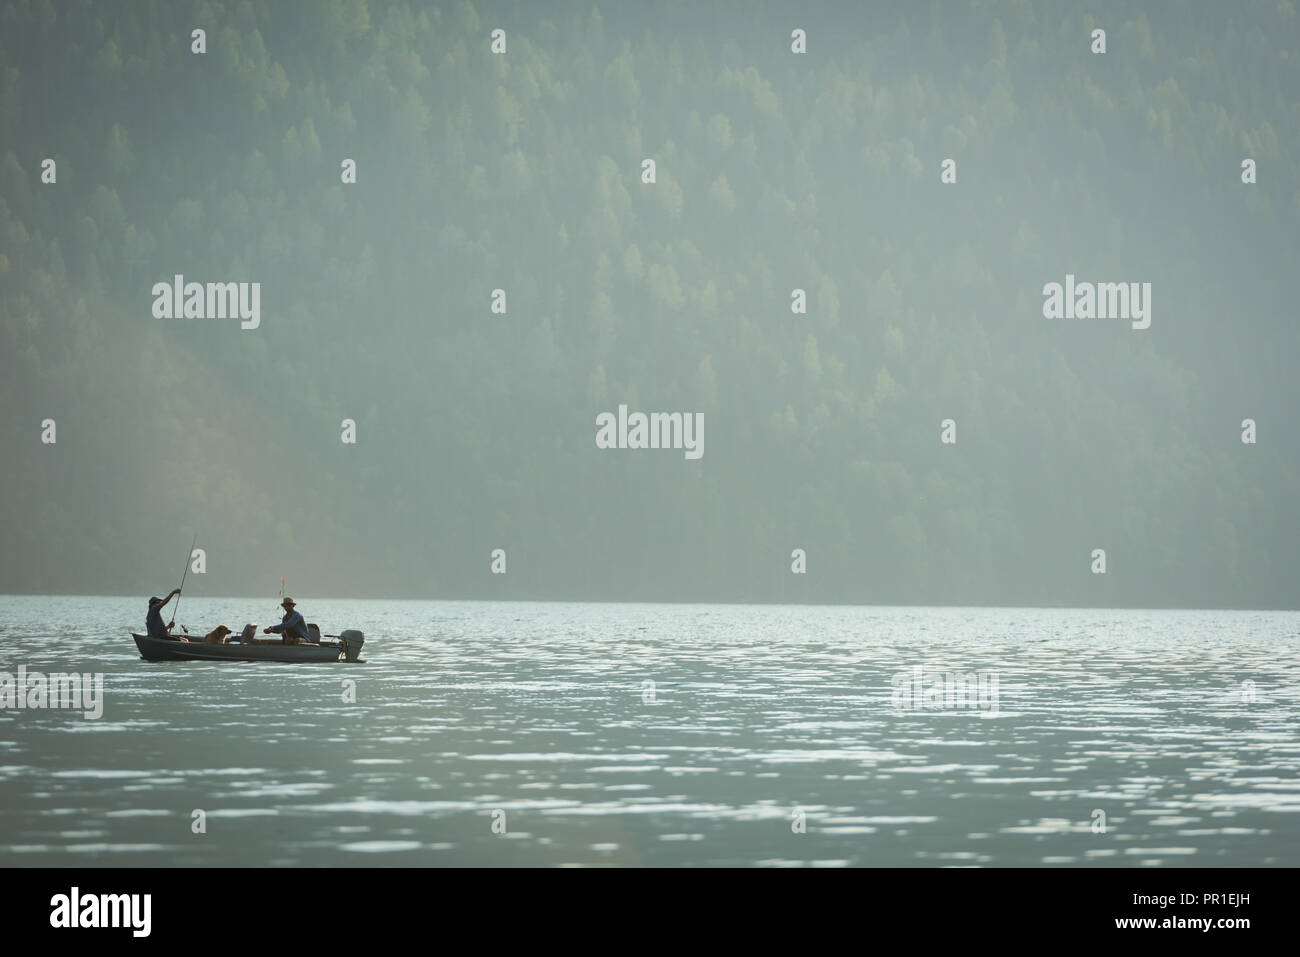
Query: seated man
x=153, y=622
x=292, y=628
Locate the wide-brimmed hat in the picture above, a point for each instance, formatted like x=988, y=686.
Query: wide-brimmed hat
x=287, y=603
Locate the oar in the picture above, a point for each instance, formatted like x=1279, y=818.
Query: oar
x=181, y=591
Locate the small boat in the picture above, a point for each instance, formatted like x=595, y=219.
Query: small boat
x=347, y=648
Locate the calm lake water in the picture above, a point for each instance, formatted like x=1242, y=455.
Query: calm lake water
x=1179, y=726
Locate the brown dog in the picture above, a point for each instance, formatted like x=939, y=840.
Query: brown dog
x=217, y=636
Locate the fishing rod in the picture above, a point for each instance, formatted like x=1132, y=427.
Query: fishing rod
x=180, y=591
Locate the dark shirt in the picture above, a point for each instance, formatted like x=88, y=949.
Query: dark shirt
x=294, y=624
x=153, y=622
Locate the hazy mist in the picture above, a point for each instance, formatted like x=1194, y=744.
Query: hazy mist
x=775, y=171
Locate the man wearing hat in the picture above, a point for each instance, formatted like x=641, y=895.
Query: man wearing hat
x=153, y=622
x=292, y=628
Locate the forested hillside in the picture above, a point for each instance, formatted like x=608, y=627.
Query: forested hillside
x=775, y=171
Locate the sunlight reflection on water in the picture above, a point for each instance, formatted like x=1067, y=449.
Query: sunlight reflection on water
x=536, y=717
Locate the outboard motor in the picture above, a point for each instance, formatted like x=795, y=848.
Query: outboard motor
x=351, y=641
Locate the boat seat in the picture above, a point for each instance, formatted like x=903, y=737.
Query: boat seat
x=315, y=631
x=248, y=634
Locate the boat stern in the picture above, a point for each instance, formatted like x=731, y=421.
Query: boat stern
x=351, y=642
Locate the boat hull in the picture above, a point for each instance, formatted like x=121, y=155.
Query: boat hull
x=160, y=649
